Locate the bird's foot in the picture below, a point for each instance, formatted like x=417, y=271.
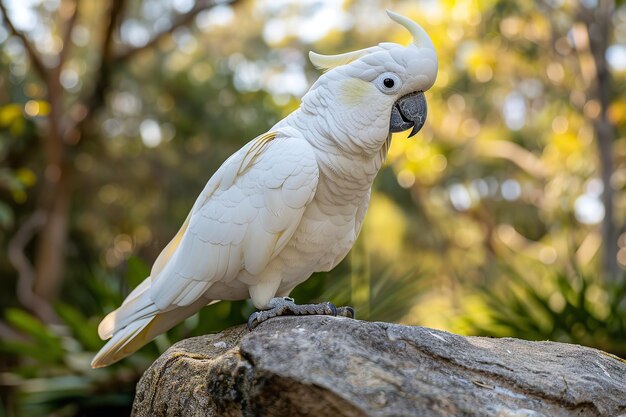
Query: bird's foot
x=285, y=306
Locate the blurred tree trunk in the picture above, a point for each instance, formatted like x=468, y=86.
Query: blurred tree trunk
x=598, y=26
x=54, y=196
x=61, y=137
x=52, y=237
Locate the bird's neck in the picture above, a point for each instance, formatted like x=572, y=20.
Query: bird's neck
x=346, y=172
x=334, y=126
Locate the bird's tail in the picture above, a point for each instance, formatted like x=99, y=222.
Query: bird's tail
x=135, y=323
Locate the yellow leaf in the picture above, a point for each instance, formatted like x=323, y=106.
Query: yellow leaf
x=9, y=114
x=617, y=112
x=567, y=143
x=26, y=177
x=44, y=108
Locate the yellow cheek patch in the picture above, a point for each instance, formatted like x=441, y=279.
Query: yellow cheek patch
x=354, y=91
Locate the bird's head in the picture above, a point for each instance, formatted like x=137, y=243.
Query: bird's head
x=378, y=90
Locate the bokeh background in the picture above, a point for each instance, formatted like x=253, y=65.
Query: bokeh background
x=504, y=216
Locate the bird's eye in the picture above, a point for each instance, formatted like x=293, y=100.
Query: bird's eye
x=388, y=82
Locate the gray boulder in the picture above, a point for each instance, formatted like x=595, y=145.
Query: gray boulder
x=331, y=366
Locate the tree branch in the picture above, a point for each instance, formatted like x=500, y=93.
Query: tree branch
x=97, y=96
x=26, y=272
x=70, y=22
x=115, y=13
x=32, y=54
x=181, y=20
x=90, y=103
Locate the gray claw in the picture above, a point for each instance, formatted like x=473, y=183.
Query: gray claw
x=346, y=311
x=253, y=320
x=331, y=309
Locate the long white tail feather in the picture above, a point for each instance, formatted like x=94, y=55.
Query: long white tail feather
x=136, y=306
x=114, y=348
x=141, y=330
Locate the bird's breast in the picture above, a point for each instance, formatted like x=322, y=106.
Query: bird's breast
x=331, y=222
x=321, y=241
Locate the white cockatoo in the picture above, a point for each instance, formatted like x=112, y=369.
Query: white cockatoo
x=290, y=202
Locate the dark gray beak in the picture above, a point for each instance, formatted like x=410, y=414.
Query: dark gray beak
x=408, y=111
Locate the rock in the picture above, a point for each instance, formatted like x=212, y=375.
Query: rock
x=331, y=366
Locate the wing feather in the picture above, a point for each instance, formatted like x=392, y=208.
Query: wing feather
x=241, y=221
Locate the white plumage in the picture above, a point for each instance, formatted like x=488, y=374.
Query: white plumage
x=289, y=203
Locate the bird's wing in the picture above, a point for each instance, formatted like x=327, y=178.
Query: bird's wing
x=243, y=218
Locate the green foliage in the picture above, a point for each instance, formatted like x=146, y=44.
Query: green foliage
x=389, y=295
x=51, y=373
x=44, y=347
x=573, y=307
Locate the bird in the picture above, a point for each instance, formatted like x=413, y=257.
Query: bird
x=290, y=202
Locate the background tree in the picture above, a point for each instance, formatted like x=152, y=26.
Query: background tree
x=66, y=124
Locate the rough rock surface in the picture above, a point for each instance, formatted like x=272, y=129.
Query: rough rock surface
x=327, y=366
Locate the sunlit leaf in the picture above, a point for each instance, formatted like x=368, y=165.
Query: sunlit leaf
x=84, y=330
x=9, y=114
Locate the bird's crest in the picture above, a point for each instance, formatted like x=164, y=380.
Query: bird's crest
x=328, y=62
